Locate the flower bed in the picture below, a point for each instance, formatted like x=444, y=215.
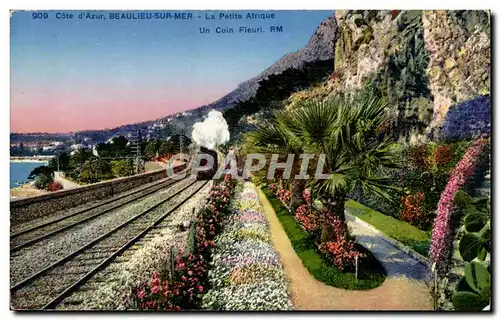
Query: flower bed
x=188, y=281
x=246, y=271
x=371, y=273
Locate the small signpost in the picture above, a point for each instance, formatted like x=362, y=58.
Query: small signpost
x=356, y=258
x=434, y=272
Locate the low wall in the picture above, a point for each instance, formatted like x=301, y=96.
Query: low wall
x=33, y=207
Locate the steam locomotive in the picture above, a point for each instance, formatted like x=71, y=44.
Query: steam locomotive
x=207, y=174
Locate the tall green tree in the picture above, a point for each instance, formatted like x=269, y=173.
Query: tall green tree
x=122, y=168
x=151, y=148
x=345, y=129
x=95, y=170
x=60, y=162
x=80, y=156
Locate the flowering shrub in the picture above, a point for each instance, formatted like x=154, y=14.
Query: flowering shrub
x=442, y=232
x=54, y=186
x=307, y=219
x=273, y=187
x=442, y=155
x=307, y=196
x=246, y=273
x=468, y=119
x=185, y=288
x=284, y=196
x=335, y=243
x=338, y=226
x=341, y=252
x=183, y=291
x=418, y=156
x=414, y=211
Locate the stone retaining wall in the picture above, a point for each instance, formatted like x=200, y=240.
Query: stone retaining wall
x=29, y=208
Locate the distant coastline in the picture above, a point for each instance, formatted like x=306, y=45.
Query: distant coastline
x=28, y=160
x=31, y=159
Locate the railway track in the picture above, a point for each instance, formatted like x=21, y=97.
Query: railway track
x=48, y=287
x=32, y=235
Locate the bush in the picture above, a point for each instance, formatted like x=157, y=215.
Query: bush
x=442, y=155
x=468, y=119
x=342, y=253
x=284, y=196
x=371, y=272
x=336, y=243
x=414, y=211
x=307, y=219
x=54, y=186
x=43, y=181
x=418, y=156
x=122, y=168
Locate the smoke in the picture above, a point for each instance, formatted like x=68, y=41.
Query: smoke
x=211, y=132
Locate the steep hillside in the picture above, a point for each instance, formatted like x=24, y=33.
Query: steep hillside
x=318, y=48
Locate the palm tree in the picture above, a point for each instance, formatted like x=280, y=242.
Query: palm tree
x=345, y=129
x=80, y=156
x=277, y=135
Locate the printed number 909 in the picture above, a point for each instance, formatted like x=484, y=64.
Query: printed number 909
x=40, y=15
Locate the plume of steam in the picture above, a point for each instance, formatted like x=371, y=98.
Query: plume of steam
x=211, y=132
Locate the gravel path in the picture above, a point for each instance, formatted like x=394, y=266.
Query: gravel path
x=34, y=258
x=403, y=289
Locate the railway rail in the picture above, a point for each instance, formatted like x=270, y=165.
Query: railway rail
x=47, y=288
x=34, y=234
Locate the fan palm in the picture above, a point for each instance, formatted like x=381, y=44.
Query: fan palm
x=344, y=131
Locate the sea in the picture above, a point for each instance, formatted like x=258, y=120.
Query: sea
x=19, y=171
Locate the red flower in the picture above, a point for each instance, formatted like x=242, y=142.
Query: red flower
x=181, y=266
x=141, y=294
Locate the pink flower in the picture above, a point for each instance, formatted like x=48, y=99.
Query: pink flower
x=155, y=290
x=442, y=231
x=141, y=294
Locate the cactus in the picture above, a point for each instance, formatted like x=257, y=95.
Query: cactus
x=474, y=289
x=468, y=301
x=478, y=278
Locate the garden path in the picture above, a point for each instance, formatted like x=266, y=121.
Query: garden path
x=403, y=289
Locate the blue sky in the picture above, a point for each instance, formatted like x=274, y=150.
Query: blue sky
x=160, y=66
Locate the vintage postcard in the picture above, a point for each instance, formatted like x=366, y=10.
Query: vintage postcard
x=263, y=160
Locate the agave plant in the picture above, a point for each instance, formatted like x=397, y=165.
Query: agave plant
x=345, y=131
x=473, y=291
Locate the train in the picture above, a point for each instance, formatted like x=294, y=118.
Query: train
x=208, y=174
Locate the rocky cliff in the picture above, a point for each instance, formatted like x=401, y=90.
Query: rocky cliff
x=423, y=62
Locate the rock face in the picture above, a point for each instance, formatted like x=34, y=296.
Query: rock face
x=361, y=47
x=318, y=48
x=423, y=62
x=460, y=57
